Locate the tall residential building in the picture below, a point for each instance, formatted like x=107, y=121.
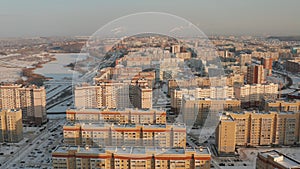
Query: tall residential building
x=263, y=128
x=267, y=63
x=245, y=59
x=104, y=134
x=225, y=135
x=274, y=159
x=255, y=74
x=31, y=99
x=11, y=126
x=176, y=49
x=10, y=96
x=105, y=94
x=87, y=97
x=130, y=157
x=141, y=94
x=33, y=104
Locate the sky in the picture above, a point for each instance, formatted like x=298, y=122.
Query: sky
x=30, y=18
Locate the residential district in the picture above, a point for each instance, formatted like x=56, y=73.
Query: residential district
x=150, y=101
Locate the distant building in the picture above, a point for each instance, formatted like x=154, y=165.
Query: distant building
x=11, y=126
x=255, y=74
x=274, y=159
x=281, y=105
x=141, y=95
x=197, y=111
x=253, y=95
x=117, y=88
x=175, y=49
x=222, y=92
x=267, y=63
x=130, y=157
x=31, y=99
x=293, y=65
x=245, y=59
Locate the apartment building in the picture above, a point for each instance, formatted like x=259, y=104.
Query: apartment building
x=225, y=137
x=267, y=63
x=11, y=126
x=262, y=128
x=113, y=95
x=255, y=74
x=197, y=111
x=130, y=157
x=245, y=59
x=122, y=116
x=224, y=92
x=253, y=95
x=282, y=105
x=30, y=99
x=293, y=65
x=205, y=82
x=94, y=134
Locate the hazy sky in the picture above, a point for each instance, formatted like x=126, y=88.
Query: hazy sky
x=83, y=17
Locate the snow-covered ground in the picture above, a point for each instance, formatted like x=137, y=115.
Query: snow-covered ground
x=61, y=79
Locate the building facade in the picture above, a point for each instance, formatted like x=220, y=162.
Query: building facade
x=253, y=95
x=262, y=128
x=200, y=93
x=11, y=126
x=30, y=99
x=104, y=134
x=293, y=65
x=131, y=157
x=255, y=74
x=281, y=105
x=196, y=111
x=122, y=116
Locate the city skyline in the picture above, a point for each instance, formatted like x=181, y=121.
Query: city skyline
x=70, y=18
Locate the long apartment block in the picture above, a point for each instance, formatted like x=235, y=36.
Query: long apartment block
x=130, y=157
x=250, y=128
x=104, y=134
x=122, y=116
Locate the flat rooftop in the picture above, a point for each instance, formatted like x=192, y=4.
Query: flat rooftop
x=131, y=150
x=281, y=159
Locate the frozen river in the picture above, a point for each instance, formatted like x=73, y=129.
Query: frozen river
x=56, y=69
x=61, y=80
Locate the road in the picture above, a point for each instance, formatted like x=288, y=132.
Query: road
x=21, y=153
